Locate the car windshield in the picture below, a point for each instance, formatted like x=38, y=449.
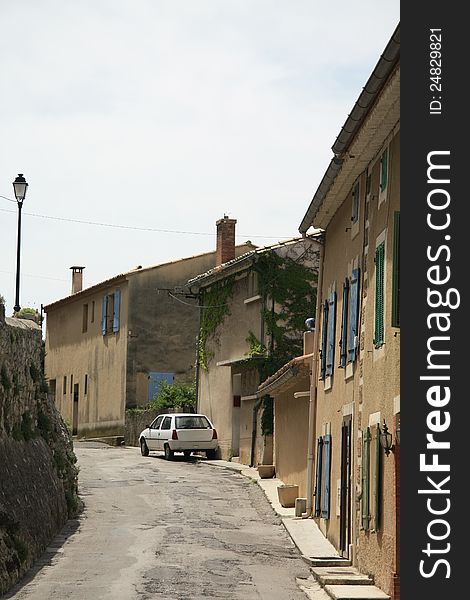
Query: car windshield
x=192, y=422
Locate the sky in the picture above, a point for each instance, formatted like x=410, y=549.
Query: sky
x=139, y=123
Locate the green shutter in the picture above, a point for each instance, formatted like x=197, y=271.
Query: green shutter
x=384, y=170
x=379, y=295
x=396, y=271
x=365, y=478
x=376, y=489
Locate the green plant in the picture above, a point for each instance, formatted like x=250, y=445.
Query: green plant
x=215, y=309
x=174, y=395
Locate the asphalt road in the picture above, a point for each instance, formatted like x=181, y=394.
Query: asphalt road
x=175, y=530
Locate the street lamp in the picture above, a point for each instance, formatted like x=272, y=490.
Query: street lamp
x=20, y=186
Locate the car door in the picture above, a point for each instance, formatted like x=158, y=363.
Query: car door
x=165, y=432
x=153, y=430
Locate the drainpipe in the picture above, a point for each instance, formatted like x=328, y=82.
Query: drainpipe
x=198, y=367
x=253, y=432
x=312, y=408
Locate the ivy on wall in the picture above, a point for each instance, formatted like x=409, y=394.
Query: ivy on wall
x=215, y=309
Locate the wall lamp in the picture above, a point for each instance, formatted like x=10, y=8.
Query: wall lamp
x=386, y=439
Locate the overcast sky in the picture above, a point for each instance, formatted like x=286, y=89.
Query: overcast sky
x=164, y=115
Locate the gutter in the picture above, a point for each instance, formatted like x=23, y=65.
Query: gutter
x=312, y=407
x=356, y=118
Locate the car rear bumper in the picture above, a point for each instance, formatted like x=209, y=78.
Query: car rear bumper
x=180, y=446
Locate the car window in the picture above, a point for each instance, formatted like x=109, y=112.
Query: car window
x=192, y=422
x=156, y=423
x=166, y=423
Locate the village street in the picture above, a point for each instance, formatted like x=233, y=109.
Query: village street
x=165, y=529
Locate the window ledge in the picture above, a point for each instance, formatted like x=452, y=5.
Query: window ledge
x=252, y=299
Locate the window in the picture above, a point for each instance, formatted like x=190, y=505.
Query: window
x=396, y=272
x=85, y=318
x=344, y=325
x=353, y=325
x=85, y=387
x=355, y=202
x=192, y=423
x=384, y=175
x=156, y=423
x=71, y=383
x=166, y=423
x=64, y=389
x=379, y=295
x=110, y=315
x=322, y=483
x=330, y=342
x=324, y=337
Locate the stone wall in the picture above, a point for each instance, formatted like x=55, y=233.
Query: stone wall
x=38, y=477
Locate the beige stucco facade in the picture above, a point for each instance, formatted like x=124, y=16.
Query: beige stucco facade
x=361, y=221
x=95, y=376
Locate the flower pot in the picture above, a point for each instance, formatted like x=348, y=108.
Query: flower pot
x=266, y=471
x=287, y=495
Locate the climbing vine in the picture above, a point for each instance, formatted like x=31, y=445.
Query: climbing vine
x=215, y=309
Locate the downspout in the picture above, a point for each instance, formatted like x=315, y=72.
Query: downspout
x=312, y=408
x=253, y=432
x=198, y=368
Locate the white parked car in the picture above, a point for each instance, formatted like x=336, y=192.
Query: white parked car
x=179, y=432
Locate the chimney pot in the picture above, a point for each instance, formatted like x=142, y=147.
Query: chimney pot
x=225, y=249
x=77, y=279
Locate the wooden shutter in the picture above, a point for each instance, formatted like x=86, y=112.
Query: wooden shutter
x=330, y=350
x=384, y=170
x=344, y=325
x=104, y=314
x=379, y=295
x=353, y=333
x=376, y=459
x=117, y=310
x=365, y=478
x=325, y=496
x=324, y=339
x=396, y=271
x=318, y=481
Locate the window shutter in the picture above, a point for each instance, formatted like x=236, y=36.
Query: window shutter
x=325, y=499
x=344, y=325
x=365, y=478
x=396, y=272
x=104, y=314
x=379, y=295
x=384, y=170
x=330, y=350
x=376, y=480
x=324, y=339
x=353, y=334
x=318, y=482
x=117, y=310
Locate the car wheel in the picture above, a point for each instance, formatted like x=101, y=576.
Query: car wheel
x=168, y=452
x=187, y=453
x=144, y=448
x=211, y=454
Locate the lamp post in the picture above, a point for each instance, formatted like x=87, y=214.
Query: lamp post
x=20, y=186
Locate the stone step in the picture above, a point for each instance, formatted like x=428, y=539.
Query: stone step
x=334, y=561
x=343, y=575
x=312, y=589
x=355, y=592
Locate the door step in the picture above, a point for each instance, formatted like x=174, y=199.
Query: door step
x=340, y=576
x=329, y=562
x=355, y=592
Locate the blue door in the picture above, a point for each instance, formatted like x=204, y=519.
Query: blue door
x=155, y=381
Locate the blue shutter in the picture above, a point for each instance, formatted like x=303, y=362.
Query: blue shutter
x=324, y=338
x=104, y=314
x=330, y=350
x=344, y=325
x=318, y=481
x=117, y=310
x=325, y=499
x=353, y=334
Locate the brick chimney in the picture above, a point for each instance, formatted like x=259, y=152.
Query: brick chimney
x=77, y=279
x=225, y=249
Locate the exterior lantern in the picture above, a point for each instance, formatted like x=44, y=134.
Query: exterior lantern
x=20, y=186
x=386, y=439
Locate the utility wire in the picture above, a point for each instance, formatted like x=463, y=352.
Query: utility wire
x=116, y=226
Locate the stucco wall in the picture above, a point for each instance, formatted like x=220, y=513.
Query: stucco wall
x=370, y=390
x=77, y=354
x=38, y=478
